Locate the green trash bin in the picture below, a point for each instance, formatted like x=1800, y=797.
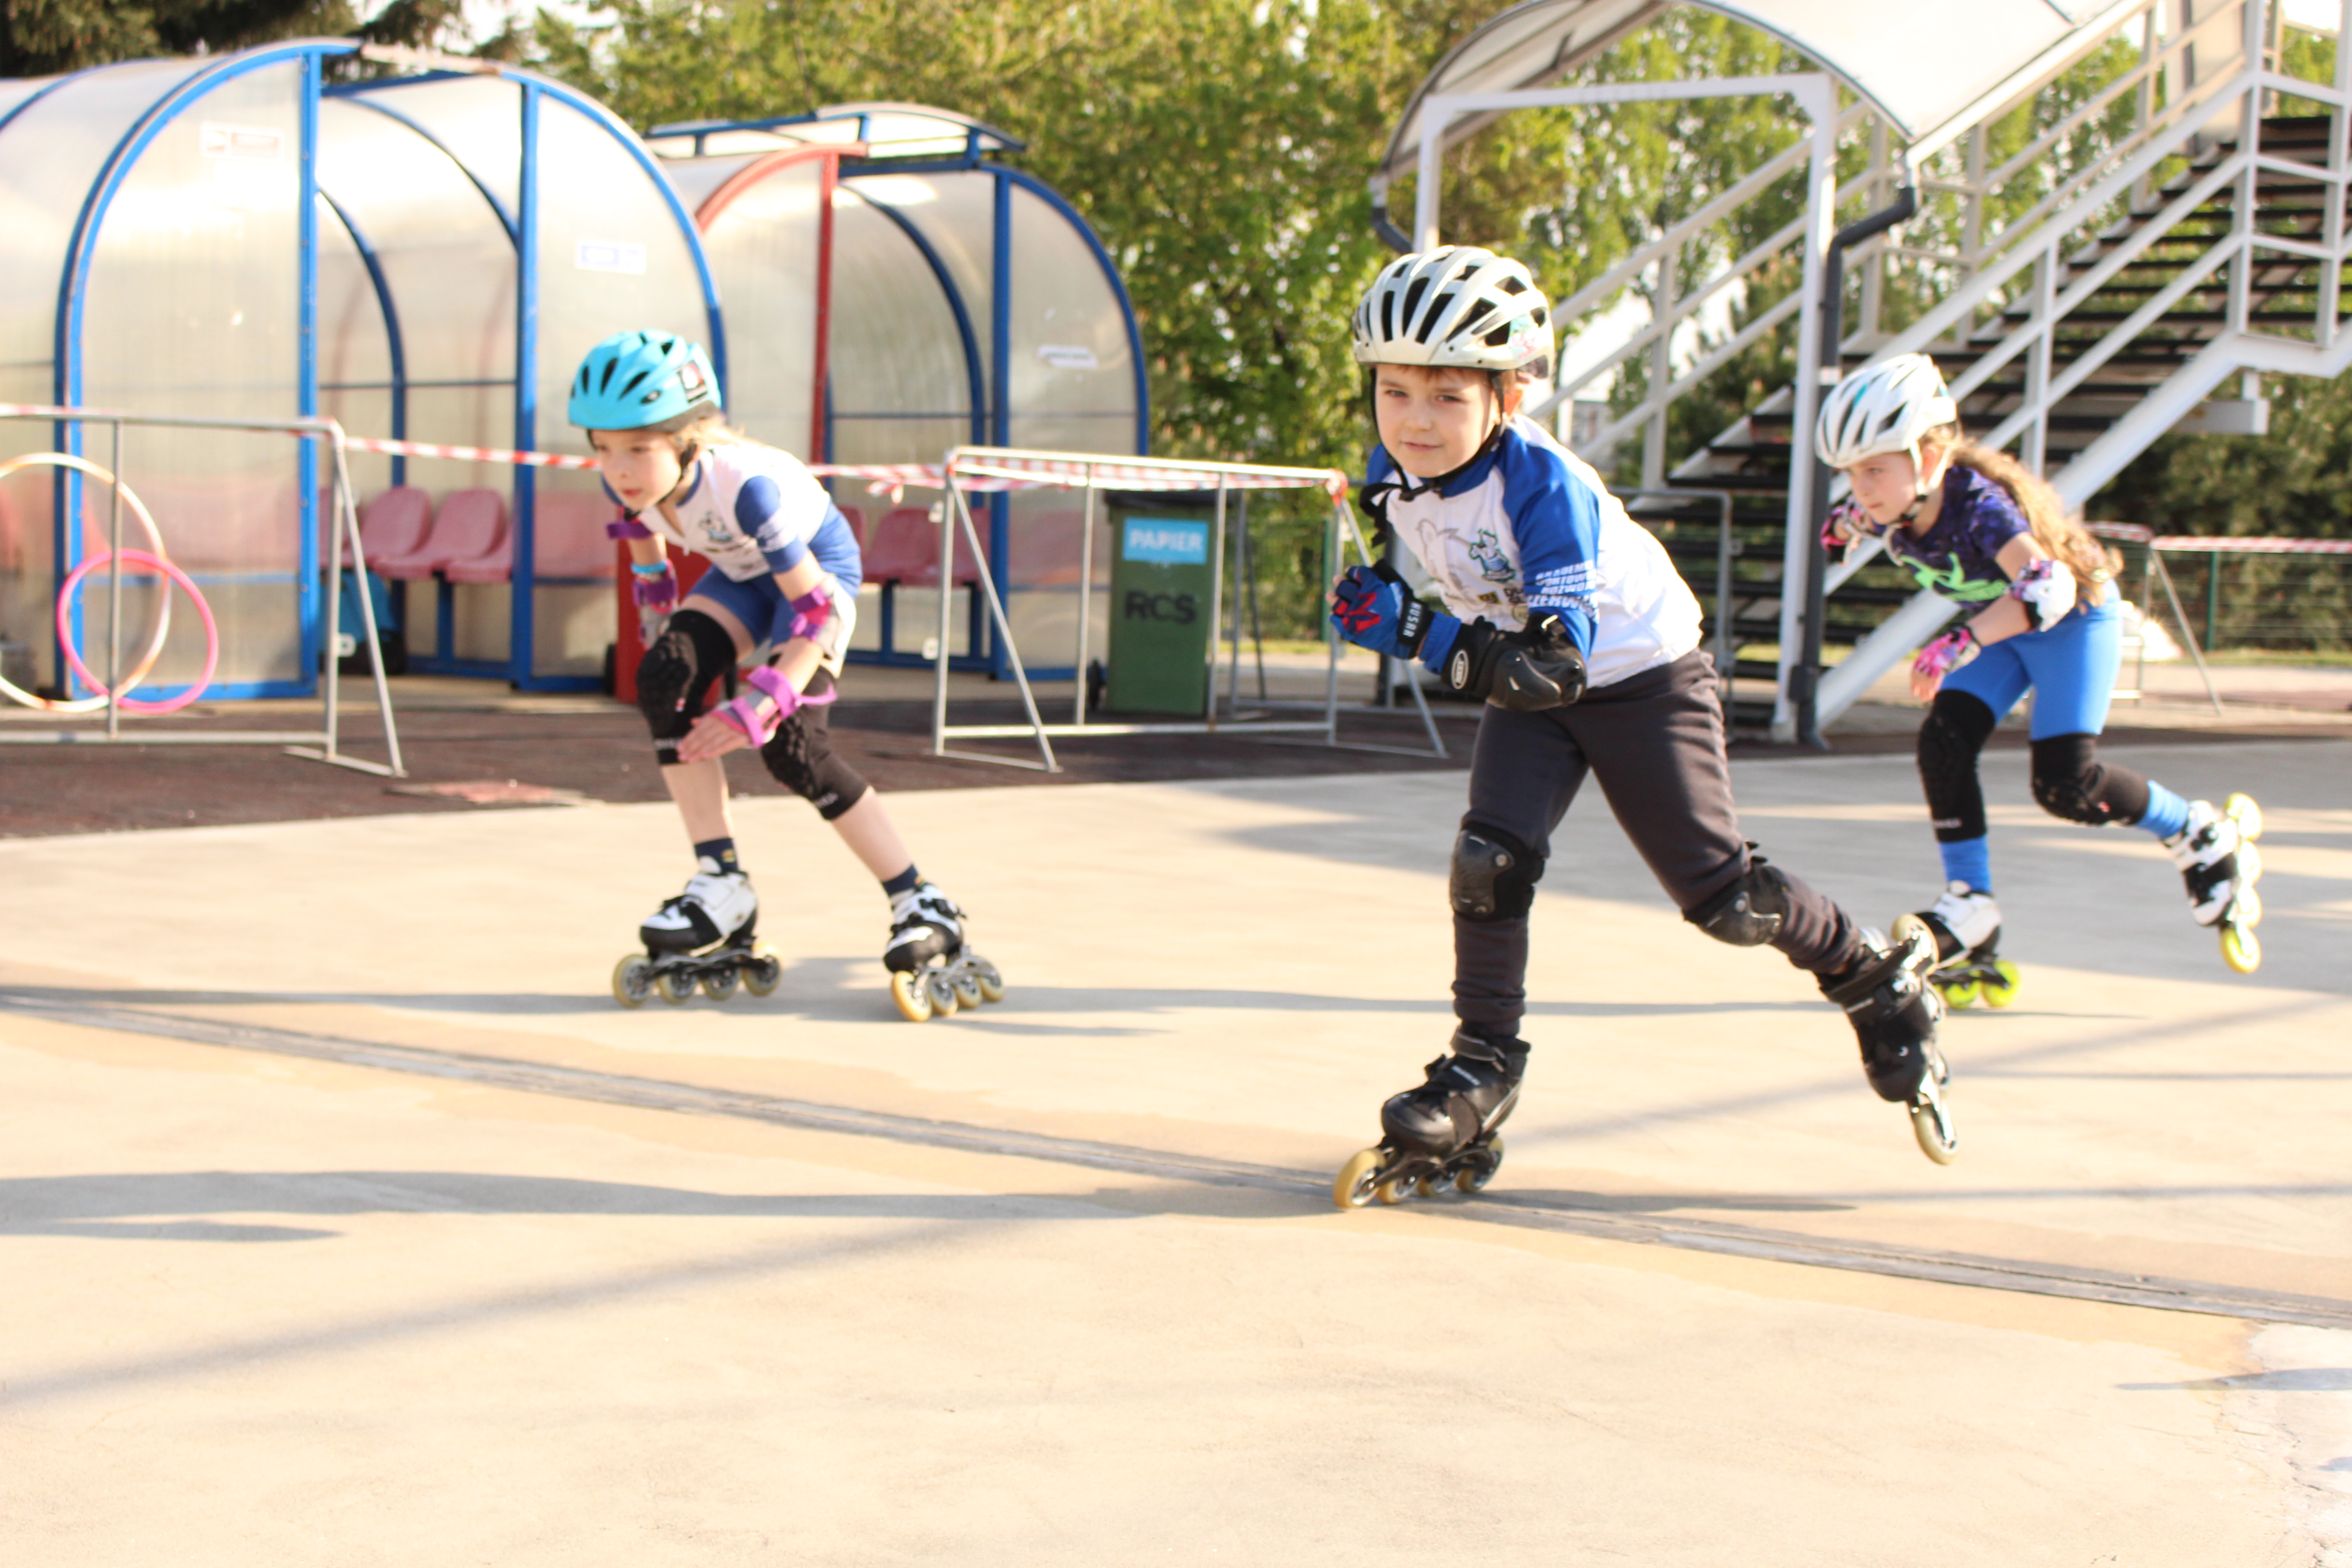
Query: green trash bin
x=1160, y=580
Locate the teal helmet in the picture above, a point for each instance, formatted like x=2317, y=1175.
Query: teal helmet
x=634, y=381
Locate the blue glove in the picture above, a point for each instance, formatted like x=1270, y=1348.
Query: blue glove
x=1373, y=611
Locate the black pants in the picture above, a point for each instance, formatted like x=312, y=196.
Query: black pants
x=1655, y=742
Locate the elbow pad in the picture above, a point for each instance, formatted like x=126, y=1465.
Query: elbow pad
x=2047, y=589
x=1527, y=671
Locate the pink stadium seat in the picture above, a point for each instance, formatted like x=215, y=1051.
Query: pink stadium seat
x=470, y=526
x=394, y=523
x=569, y=536
x=905, y=550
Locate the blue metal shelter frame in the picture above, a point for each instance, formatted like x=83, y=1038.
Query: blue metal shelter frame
x=312, y=57
x=991, y=382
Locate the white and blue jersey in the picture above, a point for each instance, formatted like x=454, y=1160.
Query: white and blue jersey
x=755, y=512
x=1528, y=527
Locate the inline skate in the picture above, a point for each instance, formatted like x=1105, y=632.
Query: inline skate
x=704, y=936
x=1966, y=925
x=1442, y=1134
x=1894, y=1011
x=2220, y=865
x=932, y=973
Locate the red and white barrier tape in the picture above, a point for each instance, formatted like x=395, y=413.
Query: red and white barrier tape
x=2219, y=544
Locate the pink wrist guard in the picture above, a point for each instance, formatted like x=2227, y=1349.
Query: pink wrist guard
x=810, y=613
x=628, y=528
x=1947, y=653
x=745, y=713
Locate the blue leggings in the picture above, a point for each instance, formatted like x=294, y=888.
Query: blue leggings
x=2071, y=669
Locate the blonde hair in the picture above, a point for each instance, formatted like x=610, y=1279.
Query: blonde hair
x=710, y=430
x=2062, y=538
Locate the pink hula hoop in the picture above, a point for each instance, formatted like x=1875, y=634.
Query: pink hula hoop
x=155, y=562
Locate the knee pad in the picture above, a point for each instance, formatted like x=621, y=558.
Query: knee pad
x=1750, y=912
x=1955, y=732
x=800, y=756
x=675, y=674
x=2070, y=784
x=1494, y=876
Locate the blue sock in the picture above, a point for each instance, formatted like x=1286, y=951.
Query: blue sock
x=1969, y=863
x=721, y=850
x=2167, y=813
x=905, y=881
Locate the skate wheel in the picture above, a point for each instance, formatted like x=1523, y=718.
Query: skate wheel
x=1933, y=1128
x=1395, y=1191
x=674, y=987
x=763, y=974
x=942, y=992
x=991, y=984
x=1433, y=1184
x=914, y=1000
x=966, y=985
x=2242, y=810
x=719, y=984
x=2250, y=871
x=1352, y=1188
x=1999, y=988
x=1473, y=1177
x=2241, y=949
x=1959, y=993
x=633, y=981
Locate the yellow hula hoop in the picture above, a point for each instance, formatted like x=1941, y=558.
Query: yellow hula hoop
x=155, y=649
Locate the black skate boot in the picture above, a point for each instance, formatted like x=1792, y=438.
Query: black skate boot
x=1442, y=1132
x=934, y=972
x=1895, y=1012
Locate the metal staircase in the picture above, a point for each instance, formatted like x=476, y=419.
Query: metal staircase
x=2145, y=271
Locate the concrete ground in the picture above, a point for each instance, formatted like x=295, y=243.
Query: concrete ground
x=348, y=1221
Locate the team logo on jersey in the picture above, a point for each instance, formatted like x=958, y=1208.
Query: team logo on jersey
x=1486, y=554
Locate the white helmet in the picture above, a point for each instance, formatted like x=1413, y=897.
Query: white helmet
x=1883, y=407
x=1456, y=305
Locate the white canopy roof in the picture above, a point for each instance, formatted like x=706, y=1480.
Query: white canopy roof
x=1922, y=63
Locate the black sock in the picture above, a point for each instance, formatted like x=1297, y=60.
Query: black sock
x=721, y=850
x=905, y=881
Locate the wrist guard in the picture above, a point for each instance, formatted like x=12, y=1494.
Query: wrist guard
x=744, y=712
x=628, y=528
x=812, y=612
x=1947, y=653
x=655, y=591
x=1525, y=671
x=2047, y=589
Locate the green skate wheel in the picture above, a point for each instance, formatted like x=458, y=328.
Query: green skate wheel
x=633, y=981
x=1957, y=993
x=2241, y=949
x=673, y=987
x=719, y=984
x=2242, y=809
x=762, y=975
x=1352, y=1188
x=1999, y=988
x=914, y=999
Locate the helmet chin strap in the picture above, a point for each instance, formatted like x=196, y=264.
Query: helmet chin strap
x=1922, y=486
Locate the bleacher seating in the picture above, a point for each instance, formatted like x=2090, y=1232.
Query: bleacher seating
x=470, y=526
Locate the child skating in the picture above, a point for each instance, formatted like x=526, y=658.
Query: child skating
x=1973, y=525
x=784, y=577
x=1567, y=619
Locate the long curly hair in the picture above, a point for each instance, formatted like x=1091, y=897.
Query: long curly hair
x=2062, y=538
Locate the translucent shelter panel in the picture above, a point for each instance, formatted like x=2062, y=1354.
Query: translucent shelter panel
x=50, y=155
x=192, y=307
x=764, y=247
x=901, y=376
x=449, y=266
x=956, y=214
x=614, y=256
x=477, y=118
x=695, y=179
x=355, y=362
x=1071, y=369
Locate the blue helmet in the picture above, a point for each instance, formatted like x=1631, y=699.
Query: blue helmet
x=635, y=380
